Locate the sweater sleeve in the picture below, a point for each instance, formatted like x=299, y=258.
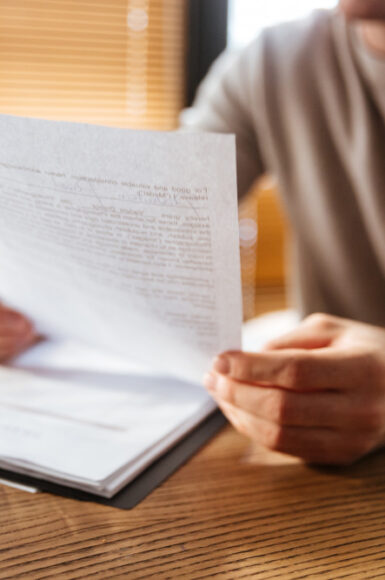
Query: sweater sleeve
x=226, y=102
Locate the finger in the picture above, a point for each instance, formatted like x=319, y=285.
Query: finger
x=13, y=322
x=15, y=335
x=11, y=342
x=7, y=352
x=314, y=445
x=11, y=346
x=303, y=337
x=324, y=409
x=316, y=331
x=298, y=369
x=231, y=413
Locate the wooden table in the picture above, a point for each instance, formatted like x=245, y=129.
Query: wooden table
x=231, y=512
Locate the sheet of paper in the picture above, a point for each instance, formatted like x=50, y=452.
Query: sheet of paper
x=124, y=239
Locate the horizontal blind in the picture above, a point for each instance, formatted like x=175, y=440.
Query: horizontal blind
x=116, y=62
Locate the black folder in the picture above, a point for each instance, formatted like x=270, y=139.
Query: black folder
x=144, y=483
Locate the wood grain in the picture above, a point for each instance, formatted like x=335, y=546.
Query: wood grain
x=232, y=512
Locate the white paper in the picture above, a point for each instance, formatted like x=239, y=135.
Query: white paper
x=83, y=417
x=95, y=430
x=127, y=240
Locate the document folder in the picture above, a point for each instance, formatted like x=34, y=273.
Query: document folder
x=147, y=481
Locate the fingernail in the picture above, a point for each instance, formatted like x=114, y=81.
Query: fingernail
x=209, y=382
x=221, y=364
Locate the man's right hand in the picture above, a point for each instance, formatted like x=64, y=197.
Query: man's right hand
x=16, y=333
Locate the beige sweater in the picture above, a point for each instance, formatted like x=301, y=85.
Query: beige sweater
x=306, y=101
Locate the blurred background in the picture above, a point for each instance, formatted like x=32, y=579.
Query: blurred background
x=137, y=64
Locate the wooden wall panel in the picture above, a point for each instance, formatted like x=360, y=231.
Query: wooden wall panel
x=264, y=263
x=273, y=234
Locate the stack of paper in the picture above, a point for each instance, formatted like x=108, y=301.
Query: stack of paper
x=126, y=241
x=89, y=429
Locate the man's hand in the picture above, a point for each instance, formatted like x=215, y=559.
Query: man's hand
x=16, y=333
x=317, y=393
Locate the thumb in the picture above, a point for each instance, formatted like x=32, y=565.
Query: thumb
x=306, y=337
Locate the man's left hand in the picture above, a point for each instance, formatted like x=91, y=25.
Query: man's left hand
x=317, y=393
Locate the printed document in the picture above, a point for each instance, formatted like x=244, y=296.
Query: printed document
x=123, y=244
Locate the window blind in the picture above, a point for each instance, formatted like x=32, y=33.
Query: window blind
x=116, y=62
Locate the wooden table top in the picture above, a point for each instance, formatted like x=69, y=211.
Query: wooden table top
x=231, y=512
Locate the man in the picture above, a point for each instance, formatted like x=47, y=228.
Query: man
x=307, y=102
